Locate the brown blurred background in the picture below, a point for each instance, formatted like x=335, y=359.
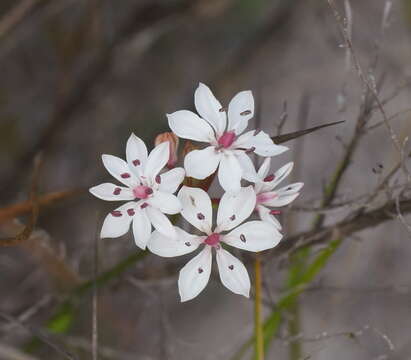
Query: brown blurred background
x=78, y=76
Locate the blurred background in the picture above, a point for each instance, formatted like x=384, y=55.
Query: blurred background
x=78, y=76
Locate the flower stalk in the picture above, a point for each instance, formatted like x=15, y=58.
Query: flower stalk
x=258, y=326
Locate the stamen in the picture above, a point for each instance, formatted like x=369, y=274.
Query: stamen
x=289, y=188
x=116, y=213
x=144, y=205
x=242, y=238
x=231, y=267
x=136, y=162
x=131, y=212
x=232, y=217
x=275, y=212
x=200, y=270
x=125, y=175
x=200, y=216
x=269, y=178
x=158, y=179
x=187, y=243
x=250, y=150
x=117, y=191
x=246, y=112
x=149, y=191
x=222, y=109
x=193, y=202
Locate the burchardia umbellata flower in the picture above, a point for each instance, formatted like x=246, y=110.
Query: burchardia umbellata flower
x=230, y=230
x=268, y=197
x=148, y=192
x=223, y=129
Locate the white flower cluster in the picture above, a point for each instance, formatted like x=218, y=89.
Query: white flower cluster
x=149, y=192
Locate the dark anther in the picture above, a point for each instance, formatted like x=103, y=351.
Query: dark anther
x=232, y=217
x=116, y=213
x=231, y=267
x=117, y=191
x=200, y=216
x=125, y=175
x=136, y=162
x=242, y=238
x=247, y=112
x=187, y=244
x=158, y=179
x=200, y=270
x=130, y=212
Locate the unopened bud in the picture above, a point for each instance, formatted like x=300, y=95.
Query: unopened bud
x=173, y=141
x=188, y=147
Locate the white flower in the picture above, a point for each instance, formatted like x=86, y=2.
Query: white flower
x=150, y=194
x=232, y=211
x=266, y=196
x=228, y=149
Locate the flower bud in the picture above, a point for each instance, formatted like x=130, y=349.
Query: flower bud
x=173, y=141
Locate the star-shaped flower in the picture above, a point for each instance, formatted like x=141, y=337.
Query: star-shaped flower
x=232, y=211
x=228, y=149
x=149, y=193
x=268, y=197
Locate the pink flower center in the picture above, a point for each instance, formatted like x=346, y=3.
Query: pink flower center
x=213, y=239
x=142, y=192
x=227, y=139
x=264, y=197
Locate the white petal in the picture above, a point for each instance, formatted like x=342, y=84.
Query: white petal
x=165, y=246
x=115, y=226
x=265, y=215
x=136, y=154
x=233, y=273
x=197, y=208
x=141, y=228
x=264, y=146
x=235, y=208
x=111, y=192
x=254, y=236
x=281, y=174
x=201, y=163
x=157, y=159
x=194, y=275
x=165, y=202
x=247, y=166
x=230, y=173
x=285, y=195
x=188, y=125
x=244, y=140
x=242, y=103
x=119, y=169
x=160, y=221
x=171, y=180
x=264, y=168
x=209, y=108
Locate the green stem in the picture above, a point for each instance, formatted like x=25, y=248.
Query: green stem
x=258, y=326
